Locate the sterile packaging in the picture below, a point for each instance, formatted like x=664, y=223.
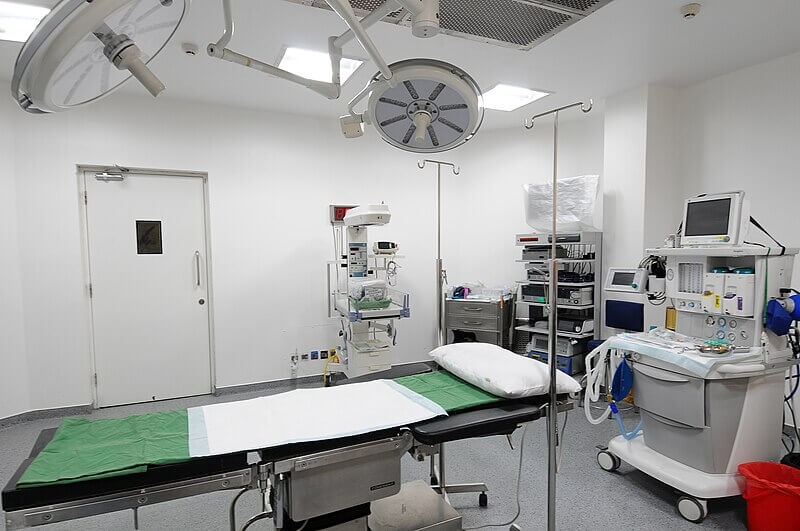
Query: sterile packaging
x=577, y=199
x=369, y=290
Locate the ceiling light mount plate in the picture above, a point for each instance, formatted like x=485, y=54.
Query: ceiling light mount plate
x=63, y=65
x=428, y=106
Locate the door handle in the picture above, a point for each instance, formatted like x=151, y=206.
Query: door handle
x=197, y=266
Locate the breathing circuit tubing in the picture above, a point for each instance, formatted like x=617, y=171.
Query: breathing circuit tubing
x=594, y=374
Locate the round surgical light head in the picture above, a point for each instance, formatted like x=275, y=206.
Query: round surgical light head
x=83, y=50
x=428, y=106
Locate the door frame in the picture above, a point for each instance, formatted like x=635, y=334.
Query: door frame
x=86, y=256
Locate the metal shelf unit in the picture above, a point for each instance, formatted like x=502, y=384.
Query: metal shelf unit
x=579, y=252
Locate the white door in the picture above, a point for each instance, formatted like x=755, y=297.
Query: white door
x=149, y=286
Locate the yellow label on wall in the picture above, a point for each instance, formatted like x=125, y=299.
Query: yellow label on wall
x=717, y=301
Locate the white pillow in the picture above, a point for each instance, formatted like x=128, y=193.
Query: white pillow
x=500, y=371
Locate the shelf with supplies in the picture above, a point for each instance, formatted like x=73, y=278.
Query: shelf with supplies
x=570, y=335
x=578, y=256
x=559, y=306
x=560, y=284
x=560, y=261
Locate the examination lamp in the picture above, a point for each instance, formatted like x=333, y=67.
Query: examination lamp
x=426, y=106
x=82, y=51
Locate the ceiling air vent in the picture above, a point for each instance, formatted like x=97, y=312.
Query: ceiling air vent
x=519, y=24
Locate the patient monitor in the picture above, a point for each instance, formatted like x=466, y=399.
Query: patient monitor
x=715, y=219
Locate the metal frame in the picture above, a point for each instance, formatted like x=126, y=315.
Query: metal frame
x=357, y=30
x=131, y=499
x=441, y=273
x=552, y=318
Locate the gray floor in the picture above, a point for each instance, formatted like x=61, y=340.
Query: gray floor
x=588, y=497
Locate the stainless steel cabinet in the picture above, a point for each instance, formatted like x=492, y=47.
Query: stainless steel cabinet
x=486, y=321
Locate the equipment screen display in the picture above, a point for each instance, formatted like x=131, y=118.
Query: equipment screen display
x=707, y=218
x=623, y=278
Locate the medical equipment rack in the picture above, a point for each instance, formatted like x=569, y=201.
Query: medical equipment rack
x=580, y=253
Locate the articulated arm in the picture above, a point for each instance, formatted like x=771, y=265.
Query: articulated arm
x=332, y=89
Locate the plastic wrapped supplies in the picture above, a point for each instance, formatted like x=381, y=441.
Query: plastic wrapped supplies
x=369, y=291
x=577, y=197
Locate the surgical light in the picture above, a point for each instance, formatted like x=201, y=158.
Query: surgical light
x=17, y=21
x=429, y=106
x=82, y=51
x=316, y=65
x=508, y=97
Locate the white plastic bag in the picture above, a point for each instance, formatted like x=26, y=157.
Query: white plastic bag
x=577, y=197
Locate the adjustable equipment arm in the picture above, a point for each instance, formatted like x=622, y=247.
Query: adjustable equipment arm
x=332, y=89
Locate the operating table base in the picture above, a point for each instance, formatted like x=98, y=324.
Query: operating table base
x=439, y=485
x=415, y=507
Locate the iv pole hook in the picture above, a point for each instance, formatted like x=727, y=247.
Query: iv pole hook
x=585, y=107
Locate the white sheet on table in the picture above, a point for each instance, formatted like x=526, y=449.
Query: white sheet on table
x=305, y=415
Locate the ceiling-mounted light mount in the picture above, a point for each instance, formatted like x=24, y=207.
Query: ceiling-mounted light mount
x=83, y=50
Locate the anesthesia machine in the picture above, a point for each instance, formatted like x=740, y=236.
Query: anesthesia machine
x=710, y=390
x=364, y=299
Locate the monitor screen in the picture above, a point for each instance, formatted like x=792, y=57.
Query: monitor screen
x=707, y=218
x=623, y=278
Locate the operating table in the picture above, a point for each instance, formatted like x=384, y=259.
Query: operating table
x=312, y=485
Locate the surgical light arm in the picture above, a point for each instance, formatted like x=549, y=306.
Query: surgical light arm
x=332, y=89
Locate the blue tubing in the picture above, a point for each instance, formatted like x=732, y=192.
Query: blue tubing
x=622, y=431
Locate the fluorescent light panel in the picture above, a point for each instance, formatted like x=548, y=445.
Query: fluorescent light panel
x=315, y=65
x=507, y=97
x=17, y=21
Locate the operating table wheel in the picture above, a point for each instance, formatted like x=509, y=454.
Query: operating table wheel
x=607, y=461
x=692, y=509
x=483, y=500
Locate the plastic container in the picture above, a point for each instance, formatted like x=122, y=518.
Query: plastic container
x=773, y=496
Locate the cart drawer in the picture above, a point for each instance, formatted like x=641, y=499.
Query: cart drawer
x=670, y=395
x=473, y=308
x=470, y=322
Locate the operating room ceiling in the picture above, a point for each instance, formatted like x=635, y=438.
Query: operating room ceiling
x=622, y=45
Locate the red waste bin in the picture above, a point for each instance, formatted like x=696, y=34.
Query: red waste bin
x=773, y=496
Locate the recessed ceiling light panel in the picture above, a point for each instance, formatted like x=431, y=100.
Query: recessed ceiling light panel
x=315, y=65
x=508, y=97
x=17, y=21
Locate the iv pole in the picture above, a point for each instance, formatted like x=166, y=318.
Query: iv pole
x=552, y=411
x=441, y=273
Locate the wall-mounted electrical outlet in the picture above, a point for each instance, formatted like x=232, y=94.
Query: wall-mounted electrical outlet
x=304, y=356
x=323, y=354
x=314, y=354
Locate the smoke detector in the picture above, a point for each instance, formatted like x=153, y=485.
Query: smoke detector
x=689, y=11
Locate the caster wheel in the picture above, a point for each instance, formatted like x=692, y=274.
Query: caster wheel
x=607, y=461
x=692, y=509
x=483, y=500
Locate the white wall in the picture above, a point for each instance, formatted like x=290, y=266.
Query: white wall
x=271, y=178
x=484, y=206
x=741, y=131
x=13, y=364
